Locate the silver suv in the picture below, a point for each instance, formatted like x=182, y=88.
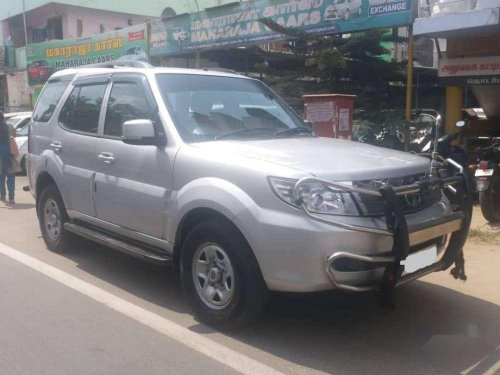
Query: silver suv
x=213, y=173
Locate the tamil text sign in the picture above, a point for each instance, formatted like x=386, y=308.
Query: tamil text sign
x=45, y=58
x=470, y=70
x=239, y=24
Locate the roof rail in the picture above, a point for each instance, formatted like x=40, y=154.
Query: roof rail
x=124, y=63
x=221, y=70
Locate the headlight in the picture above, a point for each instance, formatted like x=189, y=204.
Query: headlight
x=315, y=196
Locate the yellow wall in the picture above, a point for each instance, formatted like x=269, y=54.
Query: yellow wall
x=454, y=105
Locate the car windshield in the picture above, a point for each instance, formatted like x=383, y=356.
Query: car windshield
x=208, y=108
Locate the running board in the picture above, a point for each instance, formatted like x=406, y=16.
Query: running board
x=115, y=243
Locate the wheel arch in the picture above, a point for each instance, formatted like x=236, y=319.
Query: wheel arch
x=43, y=180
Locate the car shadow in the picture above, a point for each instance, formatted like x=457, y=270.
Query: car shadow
x=433, y=329
x=150, y=282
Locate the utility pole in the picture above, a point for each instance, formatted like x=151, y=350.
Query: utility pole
x=409, y=87
x=24, y=22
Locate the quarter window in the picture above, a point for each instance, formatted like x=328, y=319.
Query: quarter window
x=82, y=109
x=48, y=100
x=127, y=101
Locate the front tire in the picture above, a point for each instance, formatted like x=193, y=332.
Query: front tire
x=220, y=276
x=52, y=217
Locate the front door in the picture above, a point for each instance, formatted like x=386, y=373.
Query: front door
x=132, y=181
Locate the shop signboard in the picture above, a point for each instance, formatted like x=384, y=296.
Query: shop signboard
x=470, y=71
x=239, y=24
x=45, y=58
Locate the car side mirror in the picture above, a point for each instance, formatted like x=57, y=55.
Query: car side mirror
x=139, y=132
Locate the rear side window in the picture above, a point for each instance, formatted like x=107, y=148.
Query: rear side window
x=48, y=100
x=82, y=109
x=126, y=102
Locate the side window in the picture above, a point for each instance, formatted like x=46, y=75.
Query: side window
x=48, y=100
x=127, y=101
x=68, y=108
x=82, y=108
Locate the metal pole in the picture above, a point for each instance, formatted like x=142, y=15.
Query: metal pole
x=409, y=87
x=197, y=62
x=417, y=89
x=24, y=22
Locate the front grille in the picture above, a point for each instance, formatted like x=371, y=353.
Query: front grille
x=374, y=206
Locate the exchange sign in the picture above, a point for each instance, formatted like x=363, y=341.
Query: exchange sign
x=45, y=58
x=240, y=24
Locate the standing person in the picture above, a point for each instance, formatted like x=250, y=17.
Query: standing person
x=8, y=165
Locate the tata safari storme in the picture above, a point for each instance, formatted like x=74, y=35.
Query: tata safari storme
x=212, y=172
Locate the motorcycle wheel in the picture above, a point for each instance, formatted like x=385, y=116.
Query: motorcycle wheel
x=490, y=201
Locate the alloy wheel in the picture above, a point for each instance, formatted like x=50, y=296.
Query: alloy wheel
x=52, y=219
x=213, y=276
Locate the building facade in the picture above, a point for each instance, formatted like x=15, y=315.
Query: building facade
x=43, y=21
x=469, y=61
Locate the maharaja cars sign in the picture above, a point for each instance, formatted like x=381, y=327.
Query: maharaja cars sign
x=470, y=70
x=47, y=57
x=240, y=24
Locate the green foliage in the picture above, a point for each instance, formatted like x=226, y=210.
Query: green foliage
x=352, y=64
x=366, y=46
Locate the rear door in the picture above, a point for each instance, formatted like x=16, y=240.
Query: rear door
x=75, y=143
x=44, y=125
x=133, y=181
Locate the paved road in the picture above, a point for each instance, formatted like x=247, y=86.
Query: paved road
x=440, y=326
x=47, y=328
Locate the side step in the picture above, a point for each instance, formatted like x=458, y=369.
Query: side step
x=115, y=243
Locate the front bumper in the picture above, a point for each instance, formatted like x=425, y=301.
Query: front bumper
x=436, y=232
x=351, y=271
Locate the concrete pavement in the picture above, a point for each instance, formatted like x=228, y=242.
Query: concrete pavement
x=440, y=326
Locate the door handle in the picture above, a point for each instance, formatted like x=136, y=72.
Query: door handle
x=56, y=146
x=106, y=157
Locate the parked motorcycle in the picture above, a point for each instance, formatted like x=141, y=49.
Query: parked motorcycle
x=488, y=179
x=445, y=147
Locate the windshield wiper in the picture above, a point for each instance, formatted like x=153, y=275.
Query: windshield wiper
x=297, y=130
x=242, y=131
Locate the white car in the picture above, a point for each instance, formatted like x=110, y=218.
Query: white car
x=15, y=114
x=134, y=54
x=21, y=124
x=22, y=144
x=18, y=120
x=342, y=9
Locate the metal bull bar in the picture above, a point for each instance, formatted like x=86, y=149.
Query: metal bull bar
x=457, y=222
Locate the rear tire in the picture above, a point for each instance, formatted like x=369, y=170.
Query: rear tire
x=52, y=216
x=490, y=210
x=490, y=201
x=220, y=276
